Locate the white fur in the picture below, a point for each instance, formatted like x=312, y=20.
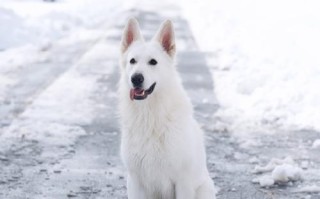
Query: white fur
x=162, y=145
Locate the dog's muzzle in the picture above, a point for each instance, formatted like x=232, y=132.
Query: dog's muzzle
x=141, y=94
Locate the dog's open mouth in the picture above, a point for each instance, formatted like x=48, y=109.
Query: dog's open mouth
x=140, y=94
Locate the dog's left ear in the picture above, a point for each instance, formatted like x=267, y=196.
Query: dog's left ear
x=165, y=36
x=130, y=34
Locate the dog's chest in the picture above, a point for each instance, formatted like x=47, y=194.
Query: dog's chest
x=147, y=154
x=149, y=160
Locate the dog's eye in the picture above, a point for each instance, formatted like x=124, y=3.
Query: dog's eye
x=153, y=62
x=133, y=61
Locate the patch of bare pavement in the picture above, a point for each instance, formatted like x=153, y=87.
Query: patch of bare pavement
x=90, y=167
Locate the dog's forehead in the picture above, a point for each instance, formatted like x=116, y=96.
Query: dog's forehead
x=144, y=49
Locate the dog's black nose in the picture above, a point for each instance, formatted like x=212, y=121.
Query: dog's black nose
x=137, y=79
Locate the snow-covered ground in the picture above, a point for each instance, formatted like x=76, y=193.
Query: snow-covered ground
x=31, y=28
x=264, y=59
x=38, y=22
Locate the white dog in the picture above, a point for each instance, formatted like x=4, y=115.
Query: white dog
x=162, y=145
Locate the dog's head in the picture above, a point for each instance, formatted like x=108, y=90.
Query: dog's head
x=144, y=64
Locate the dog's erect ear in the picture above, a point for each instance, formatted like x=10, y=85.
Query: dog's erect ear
x=165, y=36
x=131, y=33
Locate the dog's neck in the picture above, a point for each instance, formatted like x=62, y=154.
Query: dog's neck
x=158, y=109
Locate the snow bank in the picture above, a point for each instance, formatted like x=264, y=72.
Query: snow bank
x=264, y=59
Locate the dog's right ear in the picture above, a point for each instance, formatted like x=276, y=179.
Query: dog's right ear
x=165, y=37
x=130, y=34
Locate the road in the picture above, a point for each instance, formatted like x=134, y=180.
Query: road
x=60, y=136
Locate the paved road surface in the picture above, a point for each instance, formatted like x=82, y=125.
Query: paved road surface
x=90, y=167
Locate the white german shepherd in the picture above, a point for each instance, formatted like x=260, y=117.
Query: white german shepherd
x=162, y=145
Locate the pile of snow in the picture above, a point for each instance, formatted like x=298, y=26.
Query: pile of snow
x=316, y=144
x=265, y=61
x=285, y=173
x=278, y=171
x=264, y=181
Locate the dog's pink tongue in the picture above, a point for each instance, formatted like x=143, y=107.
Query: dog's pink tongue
x=135, y=91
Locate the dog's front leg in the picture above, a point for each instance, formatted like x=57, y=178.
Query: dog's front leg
x=134, y=187
x=184, y=190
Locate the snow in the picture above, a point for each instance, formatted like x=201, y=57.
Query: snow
x=38, y=22
x=316, y=144
x=55, y=119
x=305, y=164
x=264, y=61
x=278, y=171
x=57, y=116
x=253, y=160
x=266, y=181
x=12, y=29
x=29, y=27
x=35, y=29
x=285, y=173
x=272, y=165
x=265, y=67
x=15, y=59
x=309, y=189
